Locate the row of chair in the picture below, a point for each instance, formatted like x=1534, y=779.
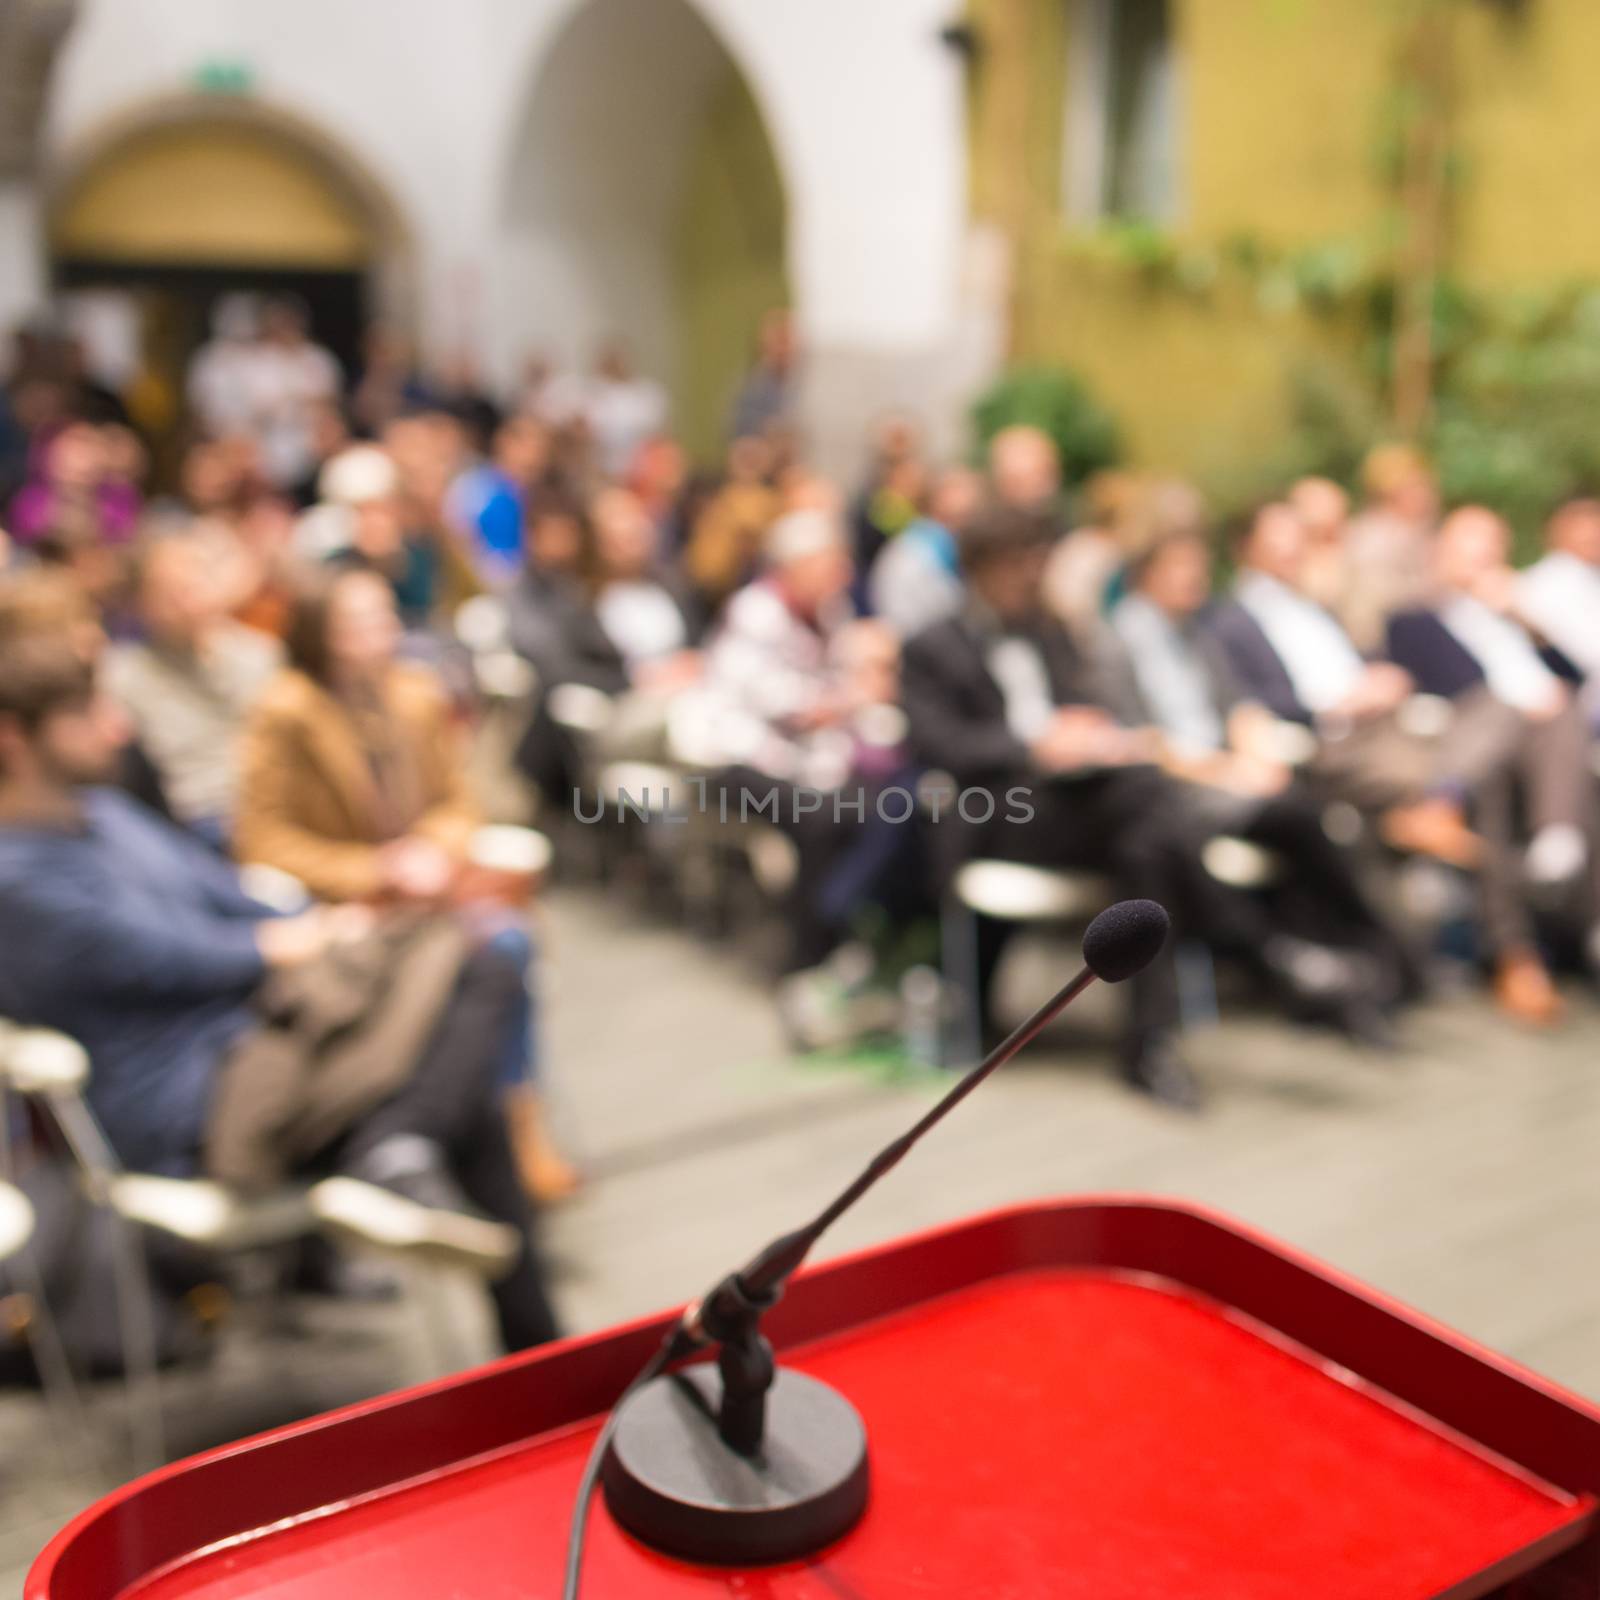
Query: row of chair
x=705, y=858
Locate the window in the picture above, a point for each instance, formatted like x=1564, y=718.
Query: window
x=1122, y=111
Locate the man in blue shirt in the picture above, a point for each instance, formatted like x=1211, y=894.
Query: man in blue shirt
x=123, y=932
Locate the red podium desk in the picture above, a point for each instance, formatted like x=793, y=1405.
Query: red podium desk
x=1100, y=1398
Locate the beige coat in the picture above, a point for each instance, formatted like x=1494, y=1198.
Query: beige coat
x=337, y=1038
x=309, y=801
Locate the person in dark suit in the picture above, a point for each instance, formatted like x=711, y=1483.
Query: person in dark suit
x=1238, y=763
x=1468, y=645
x=1291, y=656
x=1004, y=700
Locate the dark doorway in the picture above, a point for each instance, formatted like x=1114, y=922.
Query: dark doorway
x=175, y=302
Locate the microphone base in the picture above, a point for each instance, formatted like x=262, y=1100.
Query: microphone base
x=675, y=1486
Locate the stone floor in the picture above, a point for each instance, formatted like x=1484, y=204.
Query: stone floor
x=1460, y=1175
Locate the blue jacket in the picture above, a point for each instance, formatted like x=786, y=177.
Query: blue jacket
x=137, y=941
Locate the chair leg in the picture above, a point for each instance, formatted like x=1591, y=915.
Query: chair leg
x=440, y=1294
x=136, y=1324
x=137, y=1327
x=1197, y=984
x=962, y=1035
x=55, y=1368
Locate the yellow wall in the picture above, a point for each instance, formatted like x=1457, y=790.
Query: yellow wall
x=729, y=256
x=212, y=194
x=1282, y=111
x=1529, y=136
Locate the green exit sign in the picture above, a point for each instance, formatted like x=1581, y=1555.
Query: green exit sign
x=222, y=76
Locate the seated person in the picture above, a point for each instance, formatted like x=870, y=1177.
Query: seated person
x=1559, y=595
x=135, y=939
x=634, y=600
x=549, y=589
x=799, y=685
x=1324, y=508
x=1386, y=543
x=891, y=495
x=1468, y=645
x=48, y=601
x=76, y=497
x=916, y=579
x=546, y=613
x=352, y=778
x=625, y=632
x=724, y=545
x=188, y=685
x=1293, y=658
x=1212, y=738
x=489, y=499
x=1004, y=699
x=595, y=606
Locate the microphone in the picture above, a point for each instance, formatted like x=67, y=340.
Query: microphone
x=780, y=1493
x=1125, y=939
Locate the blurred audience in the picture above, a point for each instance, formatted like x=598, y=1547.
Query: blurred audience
x=189, y=683
x=353, y=779
x=1559, y=595
x=490, y=498
x=916, y=579
x=1468, y=644
x=1374, y=676
x=1017, y=710
x=767, y=397
x=1386, y=546
x=1293, y=658
x=139, y=942
x=725, y=542
x=1230, y=751
x=82, y=488
x=803, y=693
x=892, y=494
x=1324, y=509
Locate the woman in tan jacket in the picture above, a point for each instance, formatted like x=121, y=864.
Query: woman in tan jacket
x=353, y=779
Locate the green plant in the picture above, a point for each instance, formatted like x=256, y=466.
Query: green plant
x=1517, y=392
x=1058, y=402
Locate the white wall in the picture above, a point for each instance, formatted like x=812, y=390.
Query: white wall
x=595, y=171
x=443, y=103
x=22, y=285
x=396, y=84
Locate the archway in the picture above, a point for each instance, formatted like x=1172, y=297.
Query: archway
x=168, y=210
x=645, y=203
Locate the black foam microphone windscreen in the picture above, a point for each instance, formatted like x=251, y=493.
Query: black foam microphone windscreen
x=1125, y=939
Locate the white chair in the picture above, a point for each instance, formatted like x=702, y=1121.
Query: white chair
x=1008, y=892
x=580, y=709
x=482, y=624
x=273, y=887
x=51, y=1070
x=1013, y=892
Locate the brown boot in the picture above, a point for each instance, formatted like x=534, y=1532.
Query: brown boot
x=1432, y=828
x=546, y=1174
x=1524, y=992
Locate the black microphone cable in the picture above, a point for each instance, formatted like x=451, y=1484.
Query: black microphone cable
x=677, y=1344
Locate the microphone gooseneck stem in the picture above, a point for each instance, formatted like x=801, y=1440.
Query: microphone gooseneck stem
x=763, y=1276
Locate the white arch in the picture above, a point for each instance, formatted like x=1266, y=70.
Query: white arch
x=593, y=175
x=864, y=108
x=344, y=171
x=865, y=105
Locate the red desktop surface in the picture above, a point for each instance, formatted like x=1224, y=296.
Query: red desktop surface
x=1094, y=1398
